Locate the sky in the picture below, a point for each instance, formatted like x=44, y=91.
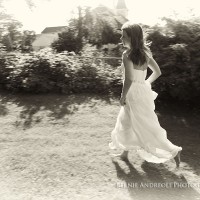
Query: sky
x=57, y=12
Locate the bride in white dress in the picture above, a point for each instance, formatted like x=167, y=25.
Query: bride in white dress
x=137, y=126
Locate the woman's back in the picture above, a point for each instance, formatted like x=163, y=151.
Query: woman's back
x=136, y=74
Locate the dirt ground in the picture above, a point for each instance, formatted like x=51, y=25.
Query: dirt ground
x=55, y=147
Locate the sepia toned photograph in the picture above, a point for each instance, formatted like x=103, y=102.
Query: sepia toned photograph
x=99, y=100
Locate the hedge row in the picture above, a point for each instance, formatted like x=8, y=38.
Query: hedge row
x=46, y=71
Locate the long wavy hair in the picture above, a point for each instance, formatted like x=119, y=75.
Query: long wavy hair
x=139, y=47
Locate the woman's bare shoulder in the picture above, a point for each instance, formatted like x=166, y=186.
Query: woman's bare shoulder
x=126, y=60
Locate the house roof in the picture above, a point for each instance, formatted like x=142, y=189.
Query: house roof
x=121, y=4
x=44, y=39
x=55, y=29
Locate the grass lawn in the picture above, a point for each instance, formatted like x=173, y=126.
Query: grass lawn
x=55, y=147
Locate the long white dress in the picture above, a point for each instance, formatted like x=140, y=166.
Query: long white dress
x=137, y=126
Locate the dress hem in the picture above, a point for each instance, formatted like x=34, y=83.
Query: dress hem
x=139, y=149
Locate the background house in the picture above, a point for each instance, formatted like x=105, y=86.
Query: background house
x=47, y=36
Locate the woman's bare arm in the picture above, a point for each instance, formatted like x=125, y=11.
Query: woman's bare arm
x=128, y=65
x=156, y=70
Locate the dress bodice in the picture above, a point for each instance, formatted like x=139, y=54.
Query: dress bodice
x=136, y=75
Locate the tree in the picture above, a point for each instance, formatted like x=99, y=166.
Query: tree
x=67, y=41
x=176, y=49
x=26, y=41
x=87, y=25
x=105, y=24
x=72, y=39
x=9, y=31
x=11, y=36
x=108, y=35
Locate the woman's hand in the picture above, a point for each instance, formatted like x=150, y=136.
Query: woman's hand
x=122, y=101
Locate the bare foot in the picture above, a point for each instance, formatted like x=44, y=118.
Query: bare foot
x=177, y=159
x=123, y=156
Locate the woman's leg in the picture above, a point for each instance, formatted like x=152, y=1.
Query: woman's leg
x=123, y=155
x=177, y=159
